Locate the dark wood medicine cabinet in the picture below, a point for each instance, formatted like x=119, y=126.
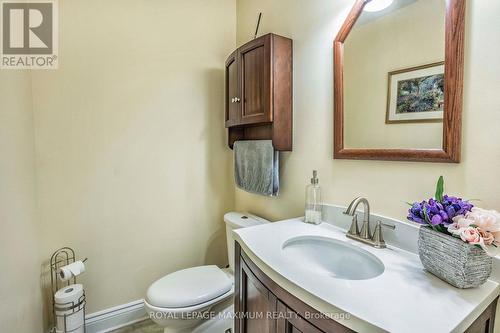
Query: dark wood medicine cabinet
x=258, y=96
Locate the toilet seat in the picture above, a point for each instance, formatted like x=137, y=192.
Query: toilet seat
x=192, y=309
x=190, y=289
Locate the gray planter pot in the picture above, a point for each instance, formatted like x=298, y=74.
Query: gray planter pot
x=460, y=264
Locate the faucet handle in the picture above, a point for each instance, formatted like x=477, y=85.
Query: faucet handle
x=378, y=238
x=354, y=230
x=387, y=225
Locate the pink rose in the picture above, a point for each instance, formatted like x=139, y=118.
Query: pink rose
x=471, y=235
x=488, y=237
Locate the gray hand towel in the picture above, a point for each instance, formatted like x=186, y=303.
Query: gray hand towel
x=256, y=167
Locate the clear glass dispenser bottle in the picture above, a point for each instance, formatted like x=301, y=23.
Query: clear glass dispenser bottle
x=313, y=201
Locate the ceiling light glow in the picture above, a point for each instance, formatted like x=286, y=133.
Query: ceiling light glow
x=377, y=5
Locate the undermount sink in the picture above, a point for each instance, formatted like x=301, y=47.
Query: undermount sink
x=327, y=256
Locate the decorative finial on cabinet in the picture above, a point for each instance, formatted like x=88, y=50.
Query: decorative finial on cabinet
x=257, y=27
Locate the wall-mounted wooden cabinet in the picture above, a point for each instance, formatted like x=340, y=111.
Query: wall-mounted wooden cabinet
x=259, y=92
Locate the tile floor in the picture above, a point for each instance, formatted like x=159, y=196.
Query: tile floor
x=146, y=326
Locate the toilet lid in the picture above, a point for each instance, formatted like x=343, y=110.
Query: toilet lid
x=189, y=287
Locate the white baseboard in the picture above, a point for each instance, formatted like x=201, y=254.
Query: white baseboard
x=115, y=317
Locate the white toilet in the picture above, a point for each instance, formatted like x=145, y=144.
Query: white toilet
x=199, y=299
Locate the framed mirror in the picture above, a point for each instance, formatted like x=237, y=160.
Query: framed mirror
x=398, y=81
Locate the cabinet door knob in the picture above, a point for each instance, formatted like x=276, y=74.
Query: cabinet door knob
x=232, y=100
x=236, y=99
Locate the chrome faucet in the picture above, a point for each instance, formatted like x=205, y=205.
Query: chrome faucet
x=351, y=211
x=376, y=239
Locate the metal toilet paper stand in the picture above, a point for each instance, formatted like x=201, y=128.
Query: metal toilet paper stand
x=62, y=257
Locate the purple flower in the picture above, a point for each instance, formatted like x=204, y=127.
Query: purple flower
x=436, y=219
x=450, y=210
x=438, y=213
x=416, y=212
x=456, y=206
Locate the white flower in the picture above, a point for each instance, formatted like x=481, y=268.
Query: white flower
x=486, y=220
x=454, y=229
x=480, y=227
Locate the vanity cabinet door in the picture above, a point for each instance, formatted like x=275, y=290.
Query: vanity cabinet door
x=233, y=107
x=255, y=69
x=486, y=321
x=290, y=322
x=255, y=304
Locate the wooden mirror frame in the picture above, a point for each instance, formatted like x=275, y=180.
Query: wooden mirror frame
x=453, y=91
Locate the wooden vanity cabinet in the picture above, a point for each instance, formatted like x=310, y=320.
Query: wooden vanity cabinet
x=485, y=323
x=256, y=299
x=262, y=306
x=290, y=322
x=258, y=93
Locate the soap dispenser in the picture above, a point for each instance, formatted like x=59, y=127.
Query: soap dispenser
x=313, y=201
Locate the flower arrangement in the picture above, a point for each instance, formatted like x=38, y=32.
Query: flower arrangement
x=458, y=218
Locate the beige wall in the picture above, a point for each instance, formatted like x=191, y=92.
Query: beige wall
x=388, y=185
x=131, y=156
x=132, y=166
x=407, y=37
x=20, y=298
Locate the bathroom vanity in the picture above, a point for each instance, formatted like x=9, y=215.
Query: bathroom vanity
x=256, y=293
x=287, y=279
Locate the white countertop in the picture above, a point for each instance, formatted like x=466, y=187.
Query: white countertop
x=404, y=298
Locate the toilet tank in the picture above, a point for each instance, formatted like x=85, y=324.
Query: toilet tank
x=234, y=221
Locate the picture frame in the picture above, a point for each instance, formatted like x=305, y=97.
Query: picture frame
x=416, y=94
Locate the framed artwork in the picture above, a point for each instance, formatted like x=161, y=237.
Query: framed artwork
x=416, y=94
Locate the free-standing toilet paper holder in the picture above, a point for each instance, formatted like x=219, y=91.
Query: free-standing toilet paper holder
x=62, y=312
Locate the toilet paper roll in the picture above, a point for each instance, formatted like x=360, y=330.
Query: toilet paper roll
x=71, y=293
x=69, y=314
x=74, y=322
x=69, y=271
